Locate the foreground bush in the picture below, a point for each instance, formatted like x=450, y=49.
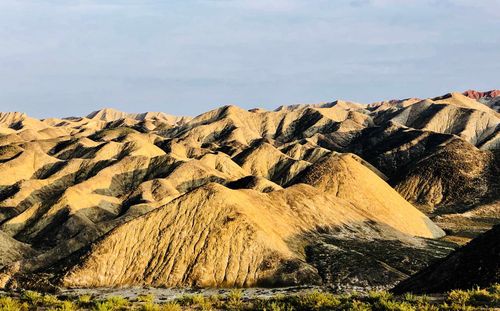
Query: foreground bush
x=456, y=300
x=10, y=304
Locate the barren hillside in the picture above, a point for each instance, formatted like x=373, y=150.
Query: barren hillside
x=475, y=264
x=232, y=197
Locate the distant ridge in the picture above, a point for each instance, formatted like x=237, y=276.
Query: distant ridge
x=478, y=95
x=489, y=98
x=110, y=114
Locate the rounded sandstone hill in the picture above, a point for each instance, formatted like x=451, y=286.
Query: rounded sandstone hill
x=214, y=236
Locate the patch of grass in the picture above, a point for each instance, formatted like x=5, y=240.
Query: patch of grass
x=171, y=306
x=64, y=306
x=10, y=304
x=393, y=305
x=412, y=298
x=317, y=300
x=474, y=297
x=234, y=300
x=495, y=289
x=455, y=307
x=146, y=298
x=202, y=303
x=458, y=297
x=150, y=306
x=50, y=301
x=216, y=301
x=199, y=301
x=103, y=306
x=495, y=294
x=357, y=305
x=477, y=297
x=84, y=300
x=32, y=297
x=278, y=306
x=455, y=300
x=187, y=300
x=118, y=301
x=111, y=303
x=480, y=297
x=378, y=296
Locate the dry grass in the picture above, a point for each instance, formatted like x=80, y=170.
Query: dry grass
x=473, y=299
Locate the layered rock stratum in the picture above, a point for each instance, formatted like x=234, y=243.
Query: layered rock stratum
x=339, y=194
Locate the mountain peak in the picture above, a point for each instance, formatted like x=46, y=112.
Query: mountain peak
x=107, y=114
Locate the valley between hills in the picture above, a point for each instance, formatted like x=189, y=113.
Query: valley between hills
x=400, y=194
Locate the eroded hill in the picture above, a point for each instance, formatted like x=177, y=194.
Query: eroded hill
x=304, y=194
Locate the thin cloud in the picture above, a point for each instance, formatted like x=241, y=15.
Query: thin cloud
x=274, y=6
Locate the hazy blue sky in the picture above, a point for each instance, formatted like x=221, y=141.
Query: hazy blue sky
x=62, y=57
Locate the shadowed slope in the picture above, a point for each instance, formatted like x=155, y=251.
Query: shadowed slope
x=475, y=264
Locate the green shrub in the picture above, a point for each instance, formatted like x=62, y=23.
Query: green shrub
x=9, y=304
x=171, y=306
x=480, y=297
x=393, y=305
x=68, y=306
x=317, y=300
x=216, y=301
x=278, y=306
x=351, y=296
x=197, y=300
x=455, y=300
x=111, y=303
x=32, y=297
x=150, y=306
x=427, y=307
x=118, y=302
x=84, y=300
x=379, y=296
x=495, y=289
x=201, y=302
x=234, y=299
x=495, y=294
x=50, y=301
x=455, y=307
x=146, y=298
x=275, y=303
x=357, y=305
x=64, y=306
x=103, y=306
x=458, y=297
x=185, y=300
x=409, y=297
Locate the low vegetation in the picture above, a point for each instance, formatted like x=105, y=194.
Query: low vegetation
x=473, y=299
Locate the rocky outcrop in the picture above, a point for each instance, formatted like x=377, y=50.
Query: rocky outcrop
x=489, y=98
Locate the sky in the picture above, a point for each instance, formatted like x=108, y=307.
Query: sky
x=70, y=57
